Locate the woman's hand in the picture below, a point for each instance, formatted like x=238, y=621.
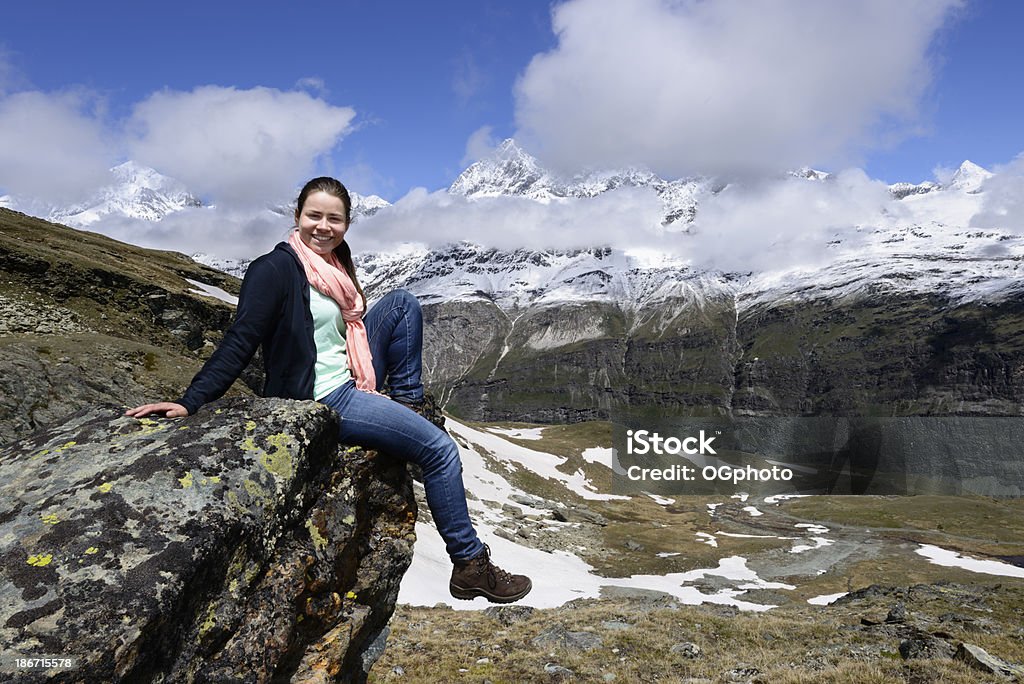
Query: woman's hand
x=167, y=408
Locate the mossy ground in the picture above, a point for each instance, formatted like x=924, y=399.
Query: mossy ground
x=792, y=644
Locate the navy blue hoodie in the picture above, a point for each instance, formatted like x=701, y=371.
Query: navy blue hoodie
x=273, y=311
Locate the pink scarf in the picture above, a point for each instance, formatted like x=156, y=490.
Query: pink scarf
x=328, y=276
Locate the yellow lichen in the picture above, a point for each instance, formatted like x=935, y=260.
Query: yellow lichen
x=251, y=425
x=51, y=519
x=186, y=481
x=351, y=595
x=91, y=550
x=210, y=622
x=40, y=454
x=215, y=479
x=150, y=426
x=279, y=461
x=106, y=487
x=68, y=445
x=234, y=503
x=40, y=560
x=256, y=491
x=319, y=541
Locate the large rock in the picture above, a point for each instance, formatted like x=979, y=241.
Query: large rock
x=239, y=544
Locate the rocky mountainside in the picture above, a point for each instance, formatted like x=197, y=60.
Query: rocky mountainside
x=87, y=319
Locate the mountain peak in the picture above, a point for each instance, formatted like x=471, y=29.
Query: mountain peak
x=970, y=177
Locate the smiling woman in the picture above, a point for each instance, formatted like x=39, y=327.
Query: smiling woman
x=303, y=305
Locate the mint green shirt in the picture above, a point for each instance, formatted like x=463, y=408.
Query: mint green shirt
x=329, y=337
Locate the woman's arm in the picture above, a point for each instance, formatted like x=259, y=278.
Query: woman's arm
x=259, y=306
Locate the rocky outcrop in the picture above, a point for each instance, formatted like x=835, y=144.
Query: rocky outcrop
x=87, y=319
x=236, y=545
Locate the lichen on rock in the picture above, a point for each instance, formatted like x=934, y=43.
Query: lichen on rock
x=245, y=548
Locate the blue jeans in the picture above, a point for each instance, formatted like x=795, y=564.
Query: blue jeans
x=395, y=327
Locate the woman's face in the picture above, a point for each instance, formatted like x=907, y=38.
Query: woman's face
x=321, y=221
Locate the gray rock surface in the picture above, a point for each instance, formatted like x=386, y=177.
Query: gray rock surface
x=238, y=544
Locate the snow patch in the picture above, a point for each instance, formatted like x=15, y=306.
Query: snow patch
x=952, y=559
x=825, y=599
x=518, y=433
x=212, y=291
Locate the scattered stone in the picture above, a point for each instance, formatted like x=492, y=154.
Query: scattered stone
x=616, y=625
x=483, y=661
x=557, y=670
x=523, y=532
x=979, y=659
x=686, y=649
x=898, y=613
x=504, y=534
x=742, y=673
x=578, y=514
x=925, y=646
x=531, y=501
x=514, y=511
x=558, y=635
x=608, y=677
x=649, y=599
x=509, y=615
x=398, y=671
x=633, y=546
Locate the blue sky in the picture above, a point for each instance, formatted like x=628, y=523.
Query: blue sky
x=392, y=96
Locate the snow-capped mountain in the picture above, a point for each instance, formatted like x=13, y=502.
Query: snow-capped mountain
x=510, y=171
x=924, y=243
x=136, y=191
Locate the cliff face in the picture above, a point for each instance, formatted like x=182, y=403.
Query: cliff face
x=877, y=354
x=238, y=544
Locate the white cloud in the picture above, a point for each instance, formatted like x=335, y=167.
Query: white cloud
x=481, y=143
x=54, y=145
x=221, y=231
x=726, y=87
x=751, y=226
x=238, y=146
x=768, y=225
x=625, y=215
x=1003, y=204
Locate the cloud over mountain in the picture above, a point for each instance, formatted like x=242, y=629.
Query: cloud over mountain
x=229, y=145
x=236, y=145
x=726, y=87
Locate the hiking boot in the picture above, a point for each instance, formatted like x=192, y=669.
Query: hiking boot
x=478, y=576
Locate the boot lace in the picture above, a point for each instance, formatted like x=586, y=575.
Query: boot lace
x=494, y=573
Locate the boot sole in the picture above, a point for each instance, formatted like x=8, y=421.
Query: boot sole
x=470, y=594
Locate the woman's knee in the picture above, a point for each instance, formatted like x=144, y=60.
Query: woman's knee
x=408, y=302
x=444, y=456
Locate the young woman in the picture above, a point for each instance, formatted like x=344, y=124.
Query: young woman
x=303, y=304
